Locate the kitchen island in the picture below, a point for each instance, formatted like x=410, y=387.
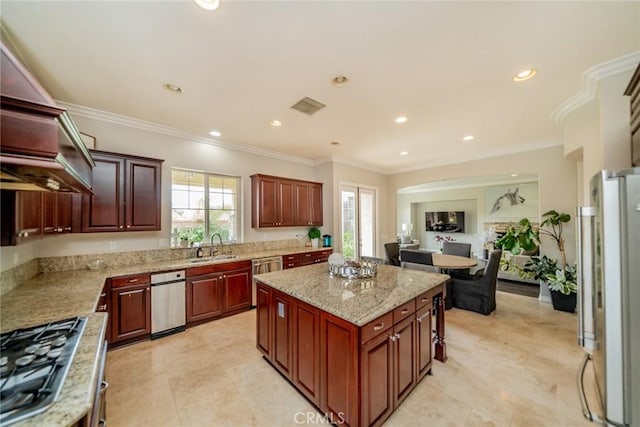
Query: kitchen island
x=355, y=348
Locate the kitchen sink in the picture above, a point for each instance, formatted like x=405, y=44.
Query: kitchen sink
x=214, y=259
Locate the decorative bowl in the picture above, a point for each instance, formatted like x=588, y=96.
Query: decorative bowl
x=354, y=269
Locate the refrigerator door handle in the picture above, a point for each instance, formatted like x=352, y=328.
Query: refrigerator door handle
x=586, y=335
x=586, y=412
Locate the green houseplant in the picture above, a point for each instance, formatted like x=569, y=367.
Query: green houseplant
x=314, y=234
x=519, y=238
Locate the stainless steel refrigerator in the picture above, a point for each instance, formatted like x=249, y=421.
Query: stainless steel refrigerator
x=609, y=298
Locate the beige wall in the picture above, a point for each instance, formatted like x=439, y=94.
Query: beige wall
x=557, y=183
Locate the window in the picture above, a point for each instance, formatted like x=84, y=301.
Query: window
x=203, y=204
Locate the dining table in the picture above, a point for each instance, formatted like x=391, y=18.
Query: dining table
x=452, y=262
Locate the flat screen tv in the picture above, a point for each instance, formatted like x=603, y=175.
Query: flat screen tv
x=445, y=222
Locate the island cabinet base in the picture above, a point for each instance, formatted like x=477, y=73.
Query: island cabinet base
x=356, y=375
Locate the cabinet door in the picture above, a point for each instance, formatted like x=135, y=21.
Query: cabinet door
x=307, y=258
x=376, y=376
x=265, y=202
x=315, y=204
x=306, y=350
x=204, y=297
x=104, y=210
x=282, y=333
x=143, y=198
x=424, y=339
x=286, y=203
x=131, y=312
x=237, y=290
x=322, y=256
x=302, y=203
x=29, y=221
x=104, y=307
x=49, y=213
x=405, y=359
x=64, y=212
x=263, y=320
x=339, y=369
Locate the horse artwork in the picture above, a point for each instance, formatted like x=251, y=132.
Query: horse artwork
x=509, y=198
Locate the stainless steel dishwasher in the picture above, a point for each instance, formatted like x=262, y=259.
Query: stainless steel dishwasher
x=168, y=311
x=263, y=265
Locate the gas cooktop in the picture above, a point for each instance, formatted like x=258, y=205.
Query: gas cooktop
x=33, y=366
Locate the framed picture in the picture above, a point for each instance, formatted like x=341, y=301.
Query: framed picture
x=513, y=201
x=89, y=141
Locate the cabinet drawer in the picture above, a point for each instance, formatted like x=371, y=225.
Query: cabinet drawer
x=287, y=265
x=424, y=298
x=135, y=279
x=376, y=327
x=217, y=268
x=289, y=258
x=404, y=311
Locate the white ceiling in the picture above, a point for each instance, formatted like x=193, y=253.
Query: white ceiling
x=447, y=66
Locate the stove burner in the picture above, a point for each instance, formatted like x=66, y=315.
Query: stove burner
x=33, y=367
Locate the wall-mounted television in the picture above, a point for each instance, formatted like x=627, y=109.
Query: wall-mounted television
x=445, y=221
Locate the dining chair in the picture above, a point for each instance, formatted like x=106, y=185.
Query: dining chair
x=458, y=249
x=392, y=251
x=414, y=259
x=478, y=293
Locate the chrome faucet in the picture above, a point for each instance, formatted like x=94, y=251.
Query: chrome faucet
x=213, y=251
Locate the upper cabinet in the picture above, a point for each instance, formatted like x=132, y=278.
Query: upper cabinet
x=127, y=194
x=285, y=202
x=633, y=90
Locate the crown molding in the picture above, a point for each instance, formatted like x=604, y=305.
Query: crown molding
x=352, y=163
x=589, y=85
x=104, y=116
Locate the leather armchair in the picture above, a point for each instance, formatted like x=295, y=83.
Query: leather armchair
x=478, y=293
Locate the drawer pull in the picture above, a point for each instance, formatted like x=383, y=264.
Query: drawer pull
x=103, y=295
x=425, y=299
x=132, y=280
x=103, y=307
x=392, y=337
x=404, y=311
x=133, y=292
x=423, y=316
x=378, y=326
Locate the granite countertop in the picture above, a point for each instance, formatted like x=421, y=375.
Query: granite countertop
x=54, y=296
x=357, y=301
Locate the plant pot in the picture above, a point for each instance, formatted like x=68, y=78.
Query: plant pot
x=315, y=243
x=562, y=302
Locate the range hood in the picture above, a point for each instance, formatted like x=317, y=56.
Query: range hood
x=40, y=147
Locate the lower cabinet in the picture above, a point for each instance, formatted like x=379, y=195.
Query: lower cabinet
x=217, y=290
x=305, y=258
x=356, y=375
x=130, y=312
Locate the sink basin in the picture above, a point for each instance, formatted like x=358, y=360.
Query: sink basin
x=214, y=259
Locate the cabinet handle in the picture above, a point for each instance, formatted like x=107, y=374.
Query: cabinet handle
x=425, y=300
x=128, y=226
x=404, y=311
x=102, y=295
x=378, y=326
x=102, y=422
x=397, y=336
x=423, y=316
x=134, y=292
x=103, y=307
x=104, y=386
x=392, y=338
x=132, y=280
x=121, y=227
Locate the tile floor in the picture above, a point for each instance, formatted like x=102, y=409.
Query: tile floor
x=516, y=367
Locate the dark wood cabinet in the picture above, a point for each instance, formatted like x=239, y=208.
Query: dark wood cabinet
x=305, y=258
x=376, y=373
x=130, y=308
x=105, y=307
x=263, y=319
x=217, y=290
x=126, y=194
x=285, y=202
x=404, y=360
x=282, y=343
x=424, y=339
x=56, y=213
x=237, y=290
x=29, y=216
x=204, y=297
x=306, y=350
x=308, y=200
x=633, y=90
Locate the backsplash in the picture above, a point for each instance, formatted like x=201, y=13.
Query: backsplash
x=120, y=259
x=11, y=278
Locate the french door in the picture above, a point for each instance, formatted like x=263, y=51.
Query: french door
x=358, y=221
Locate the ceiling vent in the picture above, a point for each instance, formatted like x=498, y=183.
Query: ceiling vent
x=308, y=106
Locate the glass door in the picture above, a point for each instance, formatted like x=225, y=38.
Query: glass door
x=358, y=222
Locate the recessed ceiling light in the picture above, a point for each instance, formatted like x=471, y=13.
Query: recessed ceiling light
x=404, y=153
x=468, y=138
x=208, y=4
x=514, y=174
x=172, y=88
x=400, y=119
x=275, y=123
x=215, y=133
x=334, y=143
x=340, y=81
x=525, y=75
